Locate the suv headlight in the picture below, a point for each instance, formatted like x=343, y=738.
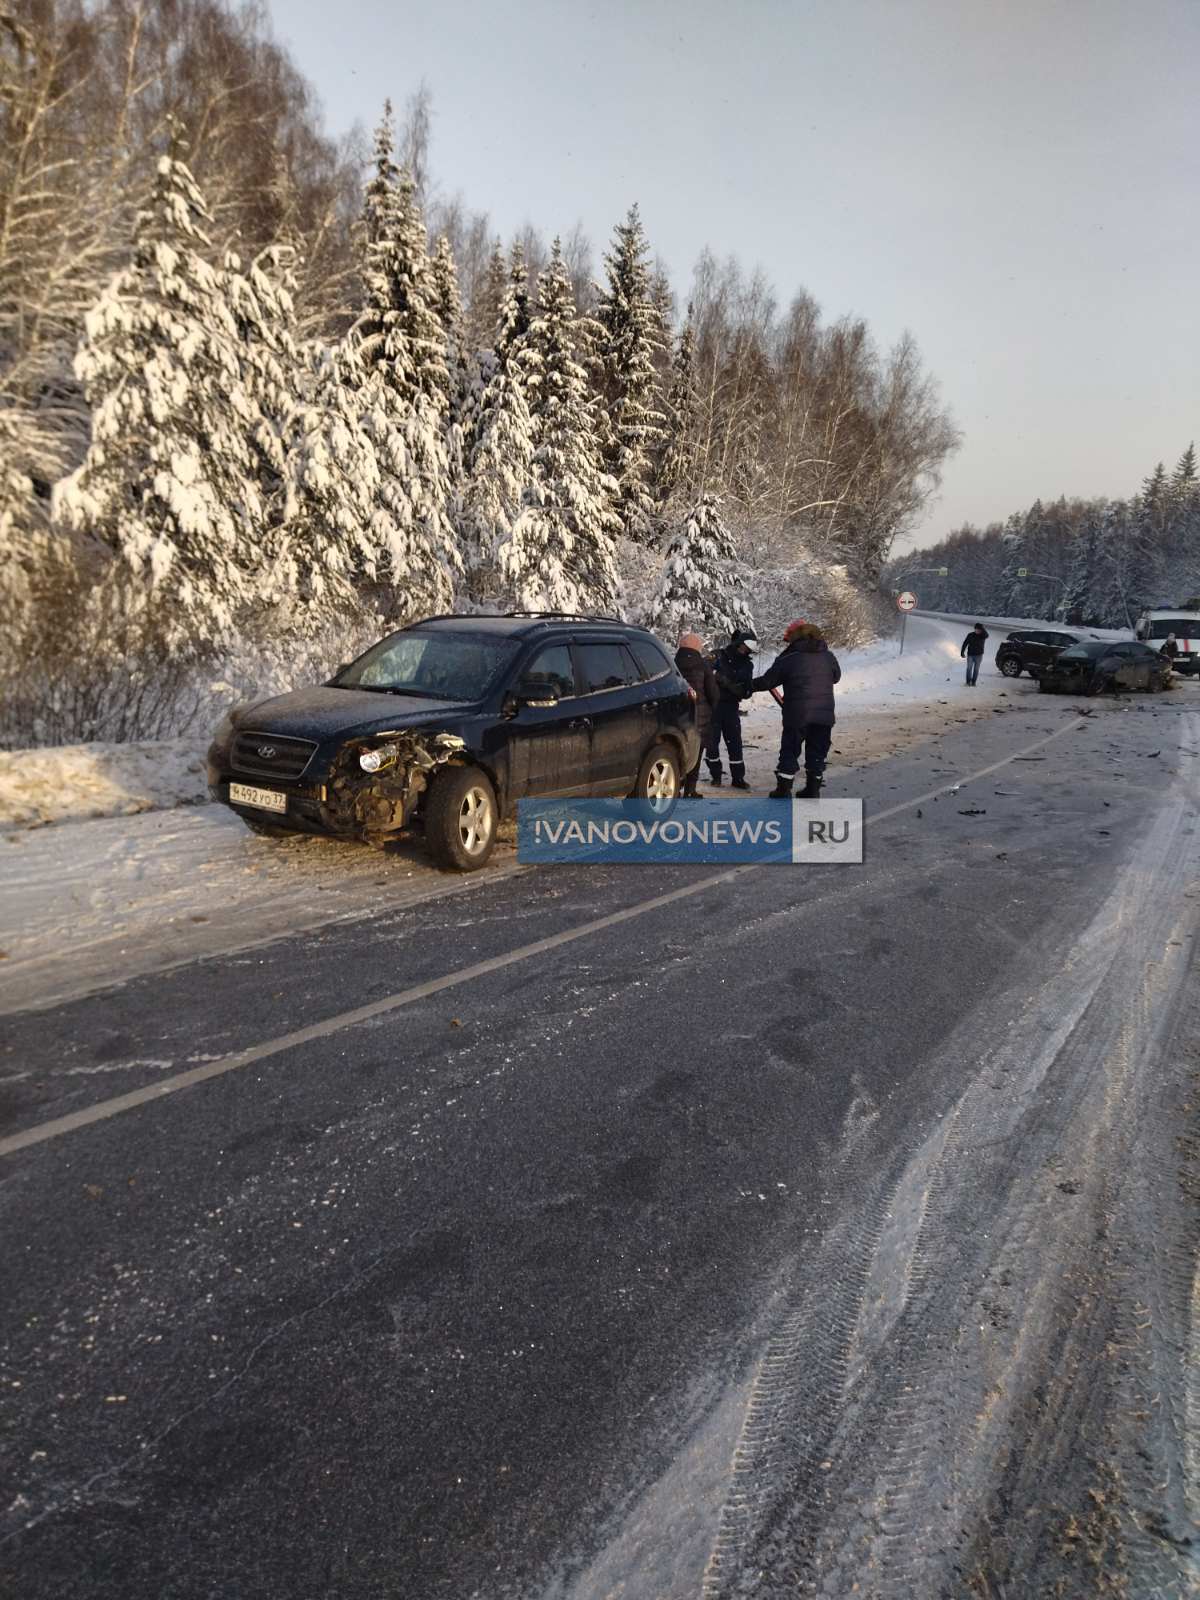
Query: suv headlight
x=382, y=756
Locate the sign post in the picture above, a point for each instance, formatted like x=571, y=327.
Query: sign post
x=906, y=602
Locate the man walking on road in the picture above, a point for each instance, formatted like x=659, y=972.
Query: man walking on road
x=972, y=648
x=807, y=671
x=698, y=675
x=733, y=669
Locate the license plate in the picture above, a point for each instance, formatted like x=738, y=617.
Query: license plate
x=242, y=794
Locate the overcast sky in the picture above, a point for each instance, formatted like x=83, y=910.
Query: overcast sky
x=1013, y=180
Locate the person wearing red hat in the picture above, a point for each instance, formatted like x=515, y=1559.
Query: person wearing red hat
x=806, y=670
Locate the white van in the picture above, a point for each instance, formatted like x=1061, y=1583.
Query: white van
x=1154, y=626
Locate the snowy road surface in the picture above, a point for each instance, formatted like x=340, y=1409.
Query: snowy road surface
x=810, y=1232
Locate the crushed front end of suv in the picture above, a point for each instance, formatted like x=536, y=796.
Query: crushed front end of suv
x=443, y=726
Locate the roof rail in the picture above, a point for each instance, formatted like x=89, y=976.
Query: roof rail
x=575, y=616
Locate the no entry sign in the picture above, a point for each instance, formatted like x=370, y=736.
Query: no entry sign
x=906, y=601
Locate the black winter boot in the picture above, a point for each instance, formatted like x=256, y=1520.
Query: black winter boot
x=782, y=789
x=714, y=777
x=812, y=787
x=737, y=775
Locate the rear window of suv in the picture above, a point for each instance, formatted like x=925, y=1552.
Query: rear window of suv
x=606, y=666
x=649, y=657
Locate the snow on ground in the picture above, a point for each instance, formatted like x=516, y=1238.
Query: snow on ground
x=878, y=680
x=93, y=903
x=73, y=782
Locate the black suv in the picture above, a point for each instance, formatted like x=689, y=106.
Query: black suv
x=1031, y=652
x=448, y=723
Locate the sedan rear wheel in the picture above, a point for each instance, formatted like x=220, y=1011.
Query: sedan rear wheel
x=461, y=818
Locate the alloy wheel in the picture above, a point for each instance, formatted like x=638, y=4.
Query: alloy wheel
x=661, y=782
x=475, y=821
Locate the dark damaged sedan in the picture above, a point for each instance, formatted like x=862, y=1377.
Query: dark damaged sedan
x=445, y=725
x=1099, y=665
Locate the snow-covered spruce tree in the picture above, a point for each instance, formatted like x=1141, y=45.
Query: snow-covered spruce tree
x=485, y=303
x=261, y=301
x=448, y=305
x=399, y=360
x=513, y=316
x=560, y=554
x=631, y=325
x=701, y=589
x=172, y=480
x=677, y=464
x=400, y=329
x=358, y=528
x=501, y=465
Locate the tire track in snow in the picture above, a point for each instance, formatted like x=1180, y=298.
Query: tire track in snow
x=793, y=1523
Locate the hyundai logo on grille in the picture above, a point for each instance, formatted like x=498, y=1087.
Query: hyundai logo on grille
x=266, y=751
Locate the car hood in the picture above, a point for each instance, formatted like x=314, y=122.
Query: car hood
x=322, y=713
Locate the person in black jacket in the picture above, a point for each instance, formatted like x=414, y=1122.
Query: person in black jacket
x=806, y=671
x=698, y=674
x=972, y=648
x=733, y=668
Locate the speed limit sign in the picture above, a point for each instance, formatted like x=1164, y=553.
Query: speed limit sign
x=906, y=601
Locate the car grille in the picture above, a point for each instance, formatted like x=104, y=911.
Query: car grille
x=268, y=755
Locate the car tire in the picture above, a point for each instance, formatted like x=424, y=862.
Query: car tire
x=658, y=776
x=1010, y=668
x=461, y=818
x=1095, y=686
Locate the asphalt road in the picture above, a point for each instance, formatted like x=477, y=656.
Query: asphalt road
x=816, y=1231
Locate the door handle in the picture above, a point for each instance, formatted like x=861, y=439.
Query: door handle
x=580, y=722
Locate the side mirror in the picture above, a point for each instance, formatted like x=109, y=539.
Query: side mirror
x=544, y=695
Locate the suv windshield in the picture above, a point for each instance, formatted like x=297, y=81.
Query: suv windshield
x=1160, y=627
x=450, y=666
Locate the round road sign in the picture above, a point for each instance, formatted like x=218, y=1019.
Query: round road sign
x=906, y=601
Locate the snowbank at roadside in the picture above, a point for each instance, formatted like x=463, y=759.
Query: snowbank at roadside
x=71, y=783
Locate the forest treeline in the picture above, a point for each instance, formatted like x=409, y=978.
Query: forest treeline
x=1091, y=562
x=257, y=386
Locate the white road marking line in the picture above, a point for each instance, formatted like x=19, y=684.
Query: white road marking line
x=103, y=1109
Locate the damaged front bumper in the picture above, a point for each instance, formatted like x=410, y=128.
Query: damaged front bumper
x=372, y=802
x=375, y=785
